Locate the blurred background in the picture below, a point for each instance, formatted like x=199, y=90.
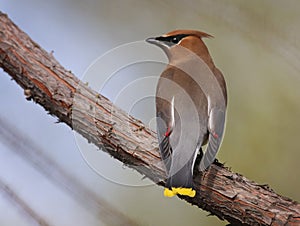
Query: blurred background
x=44, y=178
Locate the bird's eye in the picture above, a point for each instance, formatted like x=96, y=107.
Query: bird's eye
x=171, y=39
x=175, y=40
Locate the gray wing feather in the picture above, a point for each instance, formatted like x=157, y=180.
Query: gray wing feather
x=164, y=143
x=216, y=130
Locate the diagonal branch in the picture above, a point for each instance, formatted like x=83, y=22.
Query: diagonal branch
x=223, y=193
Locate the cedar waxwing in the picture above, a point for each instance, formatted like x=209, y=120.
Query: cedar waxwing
x=191, y=102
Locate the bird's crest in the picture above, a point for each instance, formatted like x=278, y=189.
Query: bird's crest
x=198, y=34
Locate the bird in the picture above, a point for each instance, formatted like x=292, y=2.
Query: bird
x=191, y=103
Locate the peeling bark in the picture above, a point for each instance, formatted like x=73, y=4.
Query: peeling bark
x=223, y=193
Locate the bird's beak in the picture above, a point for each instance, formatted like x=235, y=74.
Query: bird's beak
x=152, y=40
x=162, y=44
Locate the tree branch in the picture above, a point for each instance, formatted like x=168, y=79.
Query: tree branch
x=223, y=193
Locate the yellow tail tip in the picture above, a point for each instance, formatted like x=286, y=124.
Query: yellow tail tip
x=168, y=192
x=179, y=191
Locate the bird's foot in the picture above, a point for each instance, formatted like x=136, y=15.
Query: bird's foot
x=216, y=161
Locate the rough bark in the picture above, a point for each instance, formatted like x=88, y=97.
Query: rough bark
x=223, y=193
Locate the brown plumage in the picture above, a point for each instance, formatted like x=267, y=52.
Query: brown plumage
x=191, y=102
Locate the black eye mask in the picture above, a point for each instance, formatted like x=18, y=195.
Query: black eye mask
x=171, y=39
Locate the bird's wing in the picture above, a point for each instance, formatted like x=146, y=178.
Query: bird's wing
x=163, y=132
x=166, y=152
x=216, y=123
x=165, y=116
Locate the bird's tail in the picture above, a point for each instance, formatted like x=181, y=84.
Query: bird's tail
x=181, y=182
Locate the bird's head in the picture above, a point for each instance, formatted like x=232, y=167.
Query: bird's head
x=189, y=39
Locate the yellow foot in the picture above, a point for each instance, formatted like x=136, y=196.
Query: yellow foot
x=180, y=191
